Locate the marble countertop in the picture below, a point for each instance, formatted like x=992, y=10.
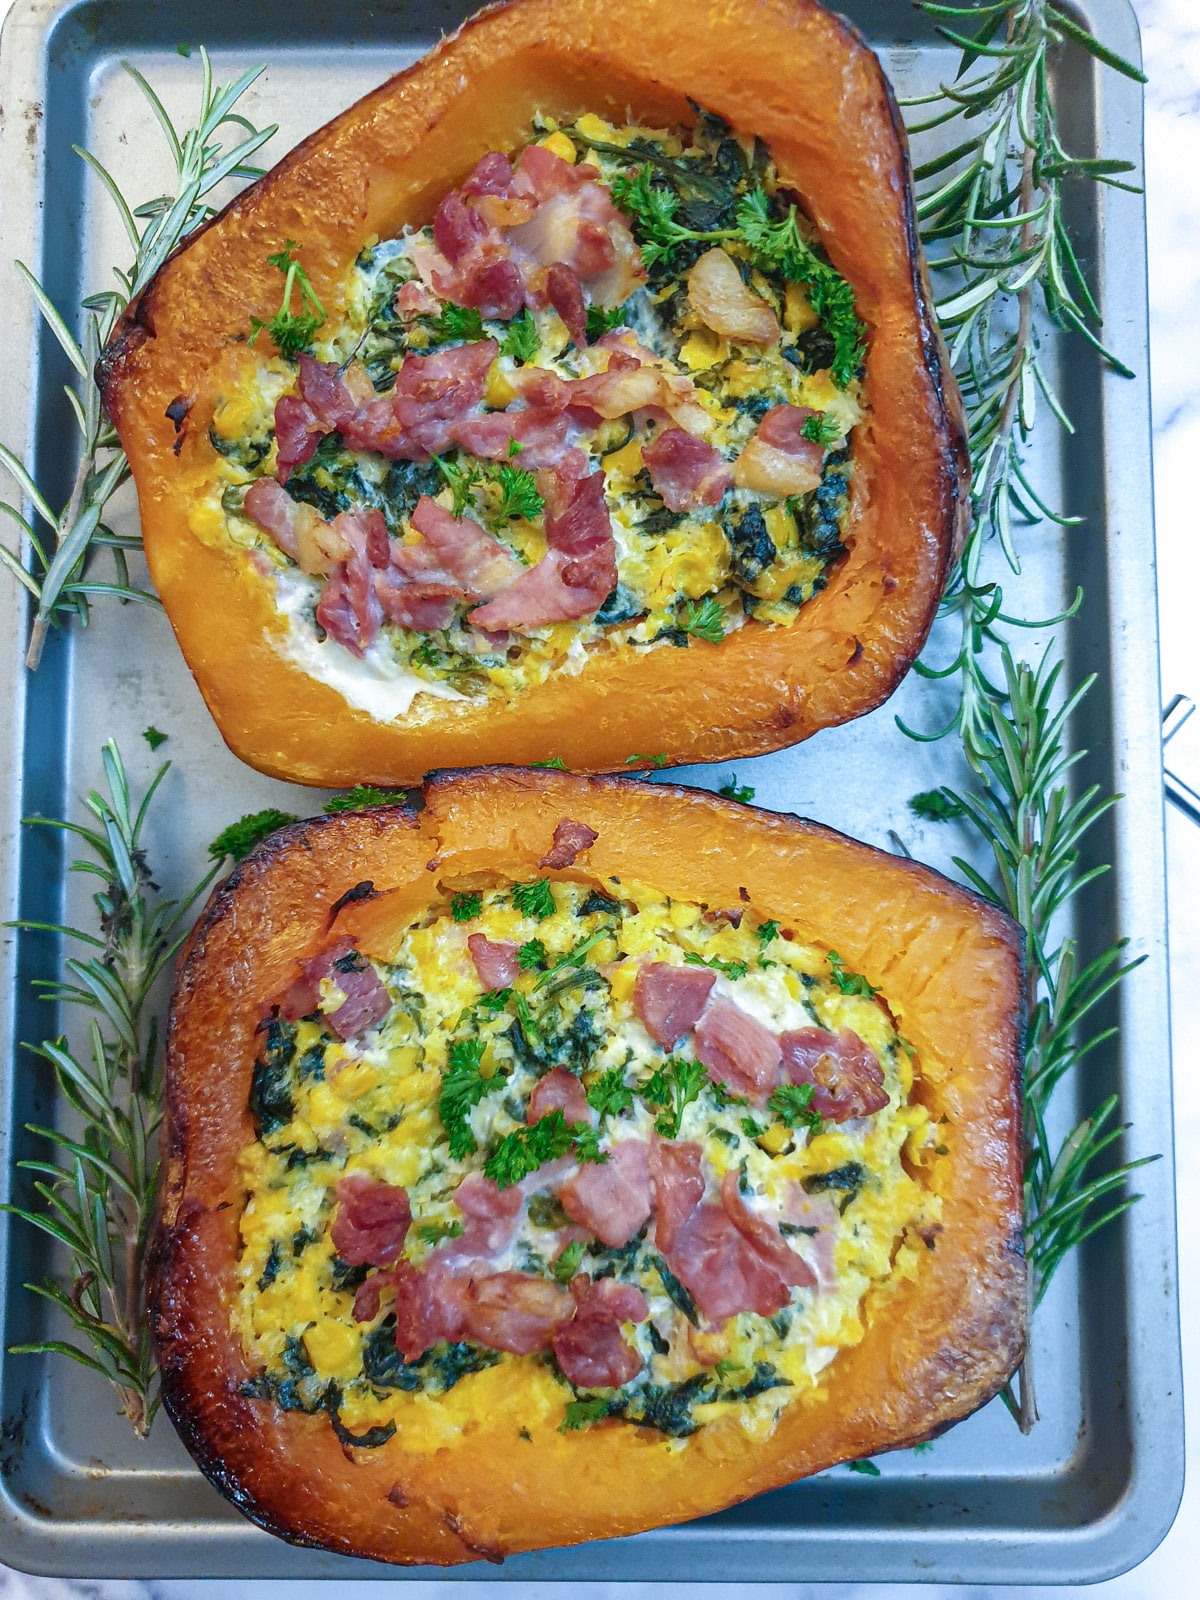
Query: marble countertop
x=1171, y=42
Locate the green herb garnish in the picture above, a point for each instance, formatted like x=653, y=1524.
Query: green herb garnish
x=432, y=1232
x=936, y=805
x=465, y=906
x=463, y=1087
x=240, y=837
x=600, y=321
x=655, y=761
x=554, y=761
x=362, y=796
x=610, y=1094
x=867, y=1468
x=521, y=341
x=535, y=899
x=567, y=1263
x=453, y=322
x=848, y=982
x=733, y=790
x=704, y=619
x=524, y=1150
x=154, y=737
x=531, y=954
x=582, y=1413
x=792, y=1104
x=519, y=495
x=673, y=1086
x=821, y=429
x=732, y=969
x=291, y=331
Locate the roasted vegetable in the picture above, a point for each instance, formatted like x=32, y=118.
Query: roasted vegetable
x=938, y=1338
x=799, y=79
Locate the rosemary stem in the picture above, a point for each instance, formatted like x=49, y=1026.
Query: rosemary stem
x=41, y=622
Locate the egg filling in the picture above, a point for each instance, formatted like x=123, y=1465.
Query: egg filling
x=619, y=369
x=664, y=1160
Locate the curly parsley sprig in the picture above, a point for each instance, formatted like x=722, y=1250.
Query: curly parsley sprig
x=775, y=245
x=292, y=332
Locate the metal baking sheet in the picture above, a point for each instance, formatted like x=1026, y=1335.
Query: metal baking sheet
x=1096, y=1485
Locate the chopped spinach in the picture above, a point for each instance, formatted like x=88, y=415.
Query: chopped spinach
x=752, y=546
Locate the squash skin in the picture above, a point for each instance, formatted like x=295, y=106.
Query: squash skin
x=950, y=965
x=385, y=162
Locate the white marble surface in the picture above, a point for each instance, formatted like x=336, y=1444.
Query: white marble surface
x=1171, y=38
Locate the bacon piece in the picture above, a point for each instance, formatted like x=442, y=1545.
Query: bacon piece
x=668, y=1000
x=366, y=1001
x=543, y=432
x=678, y=1186
x=372, y=1221
x=570, y=840
x=289, y=522
x=369, y=1296
x=433, y=392
x=633, y=380
x=493, y=1218
x=738, y=1050
x=685, y=471
x=561, y=1090
x=297, y=434
x=457, y=227
x=415, y=300
x=722, y=1270
x=565, y=293
x=764, y=1236
x=575, y=576
x=514, y=1311
x=728, y=306
x=423, y=607
x=845, y=1073
x=349, y=607
x=429, y=1307
x=590, y=1350
x=491, y=174
x=779, y=460
x=496, y=964
x=612, y=1200
x=457, y=549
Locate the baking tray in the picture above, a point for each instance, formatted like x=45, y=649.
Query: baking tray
x=1096, y=1485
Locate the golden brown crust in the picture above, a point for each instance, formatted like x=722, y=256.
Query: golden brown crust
x=384, y=163
x=950, y=965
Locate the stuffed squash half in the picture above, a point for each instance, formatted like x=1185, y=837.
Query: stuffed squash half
x=575, y=394
x=575, y=1156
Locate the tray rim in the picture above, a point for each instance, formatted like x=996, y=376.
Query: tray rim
x=1132, y=1526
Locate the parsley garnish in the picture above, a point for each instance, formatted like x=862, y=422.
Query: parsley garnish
x=705, y=619
x=292, y=331
x=867, y=1468
x=463, y=1087
x=462, y=482
x=600, y=321
x=936, y=805
x=240, y=837
x=848, y=982
x=776, y=246
x=457, y=322
x=432, y=1232
x=792, y=1104
x=531, y=954
x=524, y=1150
x=733, y=790
x=521, y=341
x=519, y=496
x=673, y=1086
x=154, y=737
x=554, y=761
x=465, y=906
x=751, y=1129
x=922, y=1447
x=360, y=797
x=535, y=899
x=610, y=1094
x=655, y=761
x=567, y=1264
x=821, y=429
x=580, y=1413
x=766, y=931
x=731, y=969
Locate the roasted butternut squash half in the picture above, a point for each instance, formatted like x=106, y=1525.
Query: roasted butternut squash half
x=575, y=1156
x=575, y=394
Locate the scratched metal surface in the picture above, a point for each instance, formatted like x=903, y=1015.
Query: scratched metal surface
x=1095, y=1486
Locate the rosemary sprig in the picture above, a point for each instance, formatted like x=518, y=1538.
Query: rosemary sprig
x=992, y=205
x=991, y=214
x=59, y=581
x=97, y=1187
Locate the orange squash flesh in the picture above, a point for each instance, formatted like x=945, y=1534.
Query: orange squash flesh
x=786, y=70
x=936, y=1348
